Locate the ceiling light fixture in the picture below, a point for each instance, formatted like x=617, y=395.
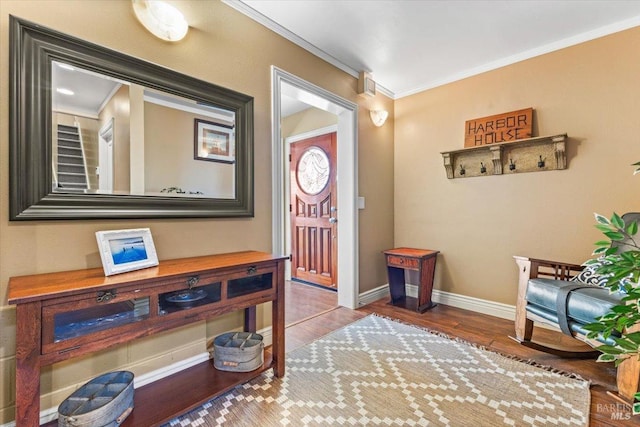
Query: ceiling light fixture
x=378, y=117
x=65, y=66
x=161, y=19
x=64, y=91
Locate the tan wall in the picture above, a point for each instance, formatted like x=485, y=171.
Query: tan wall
x=228, y=49
x=89, y=130
x=589, y=91
x=169, y=162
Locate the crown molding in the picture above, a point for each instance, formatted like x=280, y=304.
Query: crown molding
x=245, y=9
x=538, y=51
x=606, y=30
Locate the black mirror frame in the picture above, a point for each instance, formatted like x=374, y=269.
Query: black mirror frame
x=32, y=50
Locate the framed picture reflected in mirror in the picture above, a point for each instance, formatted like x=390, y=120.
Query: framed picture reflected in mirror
x=214, y=142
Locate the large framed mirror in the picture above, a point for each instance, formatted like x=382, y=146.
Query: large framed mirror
x=95, y=133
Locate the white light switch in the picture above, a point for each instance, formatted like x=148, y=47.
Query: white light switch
x=360, y=202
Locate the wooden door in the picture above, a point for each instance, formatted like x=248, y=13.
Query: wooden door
x=313, y=210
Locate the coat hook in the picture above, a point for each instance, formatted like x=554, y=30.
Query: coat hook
x=512, y=166
x=461, y=170
x=540, y=162
x=483, y=169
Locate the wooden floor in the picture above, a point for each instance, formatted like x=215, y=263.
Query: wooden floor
x=306, y=301
x=489, y=332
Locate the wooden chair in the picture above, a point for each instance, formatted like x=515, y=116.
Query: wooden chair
x=551, y=275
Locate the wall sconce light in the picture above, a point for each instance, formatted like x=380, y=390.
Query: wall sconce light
x=512, y=166
x=378, y=117
x=462, y=171
x=541, y=163
x=161, y=19
x=483, y=168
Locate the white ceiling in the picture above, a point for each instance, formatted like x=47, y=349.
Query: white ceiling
x=413, y=45
x=90, y=90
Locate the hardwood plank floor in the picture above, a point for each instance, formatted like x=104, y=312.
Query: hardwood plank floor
x=305, y=301
x=487, y=331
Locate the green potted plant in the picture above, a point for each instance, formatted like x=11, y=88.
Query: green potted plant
x=619, y=264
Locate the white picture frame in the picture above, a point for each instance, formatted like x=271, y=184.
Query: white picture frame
x=126, y=250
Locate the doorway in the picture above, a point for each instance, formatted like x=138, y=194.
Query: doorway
x=105, y=157
x=284, y=83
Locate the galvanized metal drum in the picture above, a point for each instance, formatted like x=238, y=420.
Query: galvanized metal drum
x=106, y=400
x=238, y=351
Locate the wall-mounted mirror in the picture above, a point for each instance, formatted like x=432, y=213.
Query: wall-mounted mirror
x=98, y=134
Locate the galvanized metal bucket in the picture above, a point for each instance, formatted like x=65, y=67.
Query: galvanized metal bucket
x=104, y=401
x=238, y=351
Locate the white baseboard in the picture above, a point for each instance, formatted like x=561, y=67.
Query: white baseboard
x=503, y=311
x=51, y=414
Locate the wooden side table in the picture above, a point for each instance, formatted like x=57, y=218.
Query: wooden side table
x=421, y=260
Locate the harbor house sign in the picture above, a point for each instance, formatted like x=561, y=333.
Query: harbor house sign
x=499, y=128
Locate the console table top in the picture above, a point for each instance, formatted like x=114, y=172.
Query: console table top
x=44, y=286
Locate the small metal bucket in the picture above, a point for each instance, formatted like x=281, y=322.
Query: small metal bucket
x=104, y=401
x=238, y=351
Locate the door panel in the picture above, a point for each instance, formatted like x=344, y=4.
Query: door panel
x=313, y=211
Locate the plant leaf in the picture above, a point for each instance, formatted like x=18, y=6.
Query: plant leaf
x=598, y=251
x=594, y=327
x=610, y=251
x=614, y=235
x=609, y=349
x=602, y=219
x=617, y=221
x=626, y=345
x=621, y=309
x=606, y=358
x=634, y=336
x=632, y=228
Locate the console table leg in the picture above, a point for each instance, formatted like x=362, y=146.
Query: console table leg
x=277, y=325
x=250, y=319
x=28, y=364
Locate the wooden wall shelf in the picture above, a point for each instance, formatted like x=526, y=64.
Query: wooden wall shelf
x=537, y=154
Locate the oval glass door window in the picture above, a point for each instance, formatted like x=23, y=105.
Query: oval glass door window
x=313, y=171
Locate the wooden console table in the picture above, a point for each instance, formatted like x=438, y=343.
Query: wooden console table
x=62, y=315
x=421, y=260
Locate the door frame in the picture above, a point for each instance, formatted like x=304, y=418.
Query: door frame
x=347, y=169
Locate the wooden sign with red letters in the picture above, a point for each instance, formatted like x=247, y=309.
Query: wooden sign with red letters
x=499, y=128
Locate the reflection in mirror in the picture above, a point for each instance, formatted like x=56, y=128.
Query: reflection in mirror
x=115, y=137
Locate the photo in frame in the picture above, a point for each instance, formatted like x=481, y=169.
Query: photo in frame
x=214, y=142
x=126, y=250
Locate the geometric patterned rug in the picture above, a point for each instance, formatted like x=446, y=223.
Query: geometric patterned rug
x=377, y=371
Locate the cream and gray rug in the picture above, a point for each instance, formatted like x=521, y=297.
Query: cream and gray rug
x=377, y=371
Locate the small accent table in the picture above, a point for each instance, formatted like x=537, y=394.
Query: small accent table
x=421, y=260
